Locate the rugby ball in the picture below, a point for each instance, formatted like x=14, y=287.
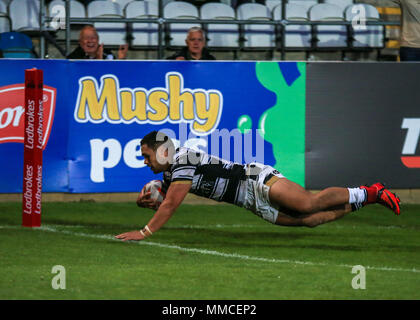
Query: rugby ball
x=155, y=187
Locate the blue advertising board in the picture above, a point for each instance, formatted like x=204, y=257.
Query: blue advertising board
x=102, y=109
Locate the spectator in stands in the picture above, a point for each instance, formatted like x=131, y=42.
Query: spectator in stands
x=195, y=49
x=410, y=33
x=89, y=47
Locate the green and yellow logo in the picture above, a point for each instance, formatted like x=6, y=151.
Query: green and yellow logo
x=283, y=124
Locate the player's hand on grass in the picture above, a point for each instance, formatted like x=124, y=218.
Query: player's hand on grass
x=144, y=201
x=132, y=235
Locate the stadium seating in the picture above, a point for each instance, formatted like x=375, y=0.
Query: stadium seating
x=110, y=33
x=77, y=9
x=306, y=3
x=177, y=31
x=366, y=36
x=227, y=2
x=329, y=36
x=56, y=9
x=271, y=4
x=143, y=34
x=296, y=36
x=256, y=35
x=343, y=4
x=122, y=3
x=5, y=22
x=24, y=15
x=220, y=35
x=16, y=45
x=3, y=7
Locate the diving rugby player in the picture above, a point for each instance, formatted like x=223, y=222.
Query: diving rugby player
x=256, y=187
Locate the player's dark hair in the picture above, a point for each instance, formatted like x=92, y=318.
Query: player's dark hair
x=155, y=139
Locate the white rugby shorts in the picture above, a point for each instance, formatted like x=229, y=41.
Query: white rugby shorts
x=257, y=188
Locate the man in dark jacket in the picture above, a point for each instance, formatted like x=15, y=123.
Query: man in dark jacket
x=89, y=47
x=195, y=49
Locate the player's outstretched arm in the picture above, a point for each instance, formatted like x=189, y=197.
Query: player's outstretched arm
x=174, y=197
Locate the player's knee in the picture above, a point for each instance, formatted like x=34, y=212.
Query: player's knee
x=307, y=207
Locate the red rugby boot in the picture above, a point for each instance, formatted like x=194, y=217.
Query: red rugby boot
x=377, y=193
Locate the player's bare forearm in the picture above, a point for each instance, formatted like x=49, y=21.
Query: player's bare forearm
x=174, y=197
x=162, y=215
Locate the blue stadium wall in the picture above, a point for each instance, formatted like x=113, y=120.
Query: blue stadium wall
x=320, y=124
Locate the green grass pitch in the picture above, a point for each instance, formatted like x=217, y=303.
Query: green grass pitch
x=207, y=252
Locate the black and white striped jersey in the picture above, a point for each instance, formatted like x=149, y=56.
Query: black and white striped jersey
x=210, y=176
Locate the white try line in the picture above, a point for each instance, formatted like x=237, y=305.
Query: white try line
x=239, y=226
x=208, y=252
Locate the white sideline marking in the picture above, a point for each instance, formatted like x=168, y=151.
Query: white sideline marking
x=223, y=226
x=208, y=252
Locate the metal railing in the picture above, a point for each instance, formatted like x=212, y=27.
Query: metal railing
x=162, y=22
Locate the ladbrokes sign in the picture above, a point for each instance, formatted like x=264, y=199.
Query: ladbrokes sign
x=12, y=113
